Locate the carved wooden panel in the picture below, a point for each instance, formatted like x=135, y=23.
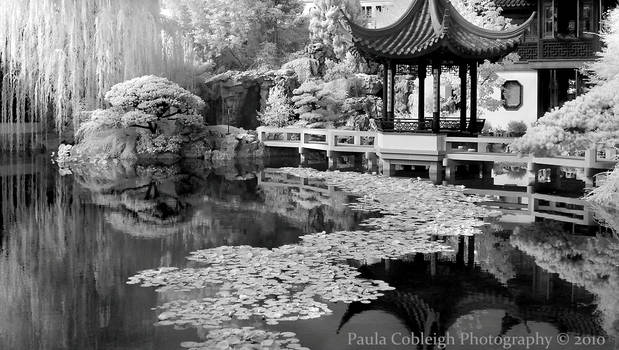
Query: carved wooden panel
x=527, y=51
x=568, y=49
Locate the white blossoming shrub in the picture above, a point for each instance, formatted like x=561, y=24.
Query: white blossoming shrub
x=589, y=119
x=64, y=154
x=607, y=193
x=278, y=109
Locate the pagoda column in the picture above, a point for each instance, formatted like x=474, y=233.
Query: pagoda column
x=463, y=97
x=391, y=92
x=421, y=105
x=436, y=112
x=385, y=87
x=473, y=121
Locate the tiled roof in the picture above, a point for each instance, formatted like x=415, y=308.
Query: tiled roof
x=434, y=28
x=514, y=3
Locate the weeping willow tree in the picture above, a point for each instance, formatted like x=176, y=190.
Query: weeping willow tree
x=58, y=57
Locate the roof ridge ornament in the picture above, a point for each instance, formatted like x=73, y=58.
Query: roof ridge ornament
x=438, y=23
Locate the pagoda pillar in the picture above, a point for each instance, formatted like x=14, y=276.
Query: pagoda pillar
x=421, y=105
x=463, y=97
x=473, y=121
x=436, y=112
x=385, y=87
x=391, y=92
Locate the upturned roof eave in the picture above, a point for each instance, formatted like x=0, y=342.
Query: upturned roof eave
x=451, y=22
x=445, y=53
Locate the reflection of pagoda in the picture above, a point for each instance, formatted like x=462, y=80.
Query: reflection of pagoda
x=434, y=294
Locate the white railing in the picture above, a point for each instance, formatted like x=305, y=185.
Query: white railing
x=483, y=148
x=323, y=139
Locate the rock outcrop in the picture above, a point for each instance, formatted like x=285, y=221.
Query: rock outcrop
x=235, y=98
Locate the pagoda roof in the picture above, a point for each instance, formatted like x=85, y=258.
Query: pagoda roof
x=434, y=29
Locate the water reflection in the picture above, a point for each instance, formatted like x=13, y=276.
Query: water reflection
x=70, y=243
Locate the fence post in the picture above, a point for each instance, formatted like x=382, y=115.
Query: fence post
x=260, y=131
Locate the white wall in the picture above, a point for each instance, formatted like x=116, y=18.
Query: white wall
x=528, y=111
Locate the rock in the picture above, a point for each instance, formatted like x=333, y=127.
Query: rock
x=318, y=125
x=242, y=145
x=114, y=143
x=404, y=92
x=304, y=67
x=371, y=84
x=194, y=149
x=236, y=97
x=358, y=122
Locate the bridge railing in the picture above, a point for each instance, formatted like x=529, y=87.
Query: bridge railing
x=481, y=144
x=481, y=147
x=329, y=139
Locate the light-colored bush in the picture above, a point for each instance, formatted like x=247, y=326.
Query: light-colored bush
x=100, y=119
x=607, y=194
x=516, y=128
x=278, y=110
x=154, y=96
x=149, y=115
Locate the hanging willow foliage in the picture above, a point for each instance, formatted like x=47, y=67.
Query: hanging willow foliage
x=58, y=57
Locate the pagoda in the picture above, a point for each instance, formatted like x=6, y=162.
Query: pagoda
x=432, y=33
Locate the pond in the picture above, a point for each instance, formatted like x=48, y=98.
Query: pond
x=249, y=256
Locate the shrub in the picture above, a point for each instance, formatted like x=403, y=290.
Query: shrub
x=100, y=119
x=607, y=193
x=487, y=129
x=343, y=69
x=152, y=99
x=278, y=109
x=146, y=103
x=516, y=128
x=64, y=154
x=316, y=100
x=151, y=144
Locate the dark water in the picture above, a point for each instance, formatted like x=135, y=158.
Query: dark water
x=69, y=244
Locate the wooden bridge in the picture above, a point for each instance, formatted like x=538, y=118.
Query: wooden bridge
x=438, y=152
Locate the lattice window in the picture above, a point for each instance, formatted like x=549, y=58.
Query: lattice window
x=511, y=94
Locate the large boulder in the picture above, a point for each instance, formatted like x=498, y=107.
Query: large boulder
x=304, y=67
x=404, y=93
x=370, y=84
x=235, y=97
x=113, y=143
x=233, y=144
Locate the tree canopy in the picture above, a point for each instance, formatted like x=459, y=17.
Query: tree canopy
x=238, y=33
